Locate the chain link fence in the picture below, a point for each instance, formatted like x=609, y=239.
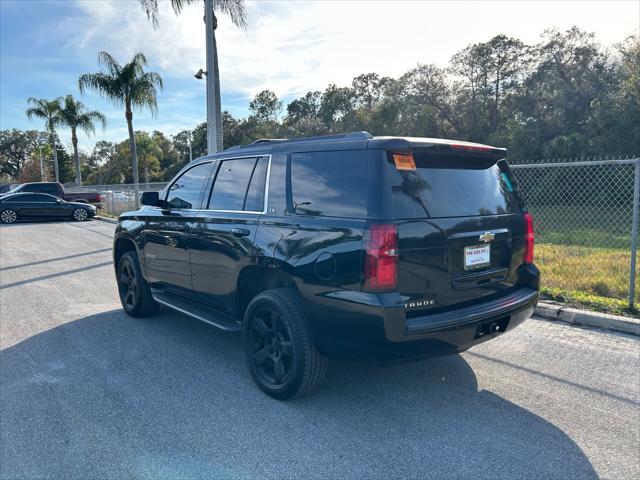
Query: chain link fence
x=583, y=212
x=585, y=220
x=118, y=198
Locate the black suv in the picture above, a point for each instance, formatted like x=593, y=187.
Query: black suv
x=383, y=248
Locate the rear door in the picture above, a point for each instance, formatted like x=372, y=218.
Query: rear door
x=460, y=226
x=222, y=237
x=53, y=206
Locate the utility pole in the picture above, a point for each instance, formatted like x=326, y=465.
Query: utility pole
x=190, y=149
x=212, y=146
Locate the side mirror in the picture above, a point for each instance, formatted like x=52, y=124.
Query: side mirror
x=150, y=198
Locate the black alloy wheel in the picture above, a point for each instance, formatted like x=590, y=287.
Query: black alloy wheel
x=280, y=353
x=272, y=350
x=128, y=285
x=135, y=294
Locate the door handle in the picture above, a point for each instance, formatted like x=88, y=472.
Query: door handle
x=240, y=232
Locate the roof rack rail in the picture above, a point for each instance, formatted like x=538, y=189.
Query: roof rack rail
x=341, y=136
x=362, y=135
x=267, y=140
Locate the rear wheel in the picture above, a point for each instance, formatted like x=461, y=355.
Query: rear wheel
x=80, y=214
x=279, y=350
x=135, y=294
x=8, y=216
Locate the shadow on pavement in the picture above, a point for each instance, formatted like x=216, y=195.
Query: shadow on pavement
x=40, y=221
x=168, y=397
x=56, y=259
x=56, y=274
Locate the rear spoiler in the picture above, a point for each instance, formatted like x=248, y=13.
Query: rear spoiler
x=439, y=146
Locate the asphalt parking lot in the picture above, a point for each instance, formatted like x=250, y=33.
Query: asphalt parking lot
x=87, y=392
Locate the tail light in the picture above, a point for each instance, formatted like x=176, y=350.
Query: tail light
x=471, y=148
x=381, y=257
x=528, y=238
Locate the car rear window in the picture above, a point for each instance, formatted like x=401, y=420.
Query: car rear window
x=332, y=184
x=434, y=185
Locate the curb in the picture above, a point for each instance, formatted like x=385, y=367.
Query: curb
x=106, y=219
x=616, y=323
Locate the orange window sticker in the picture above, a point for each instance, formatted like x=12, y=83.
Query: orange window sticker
x=404, y=162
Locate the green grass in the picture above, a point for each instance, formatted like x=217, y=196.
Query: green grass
x=583, y=252
x=597, y=271
x=587, y=277
x=577, y=299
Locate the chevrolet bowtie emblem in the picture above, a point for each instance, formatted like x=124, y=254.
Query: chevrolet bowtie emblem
x=487, y=237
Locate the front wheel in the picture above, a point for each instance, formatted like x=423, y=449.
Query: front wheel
x=80, y=214
x=279, y=350
x=8, y=216
x=135, y=294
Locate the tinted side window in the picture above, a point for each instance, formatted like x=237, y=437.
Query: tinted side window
x=186, y=191
x=234, y=187
x=39, y=197
x=42, y=188
x=25, y=198
x=255, y=193
x=330, y=184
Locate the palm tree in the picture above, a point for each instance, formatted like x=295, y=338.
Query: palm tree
x=129, y=86
x=75, y=115
x=235, y=10
x=49, y=111
x=148, y=150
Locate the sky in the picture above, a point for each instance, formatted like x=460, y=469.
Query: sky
x=290, y=47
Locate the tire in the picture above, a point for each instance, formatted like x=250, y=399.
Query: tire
x=280, y=353
x=8, y=216
x=80, y=214
x=134, y=291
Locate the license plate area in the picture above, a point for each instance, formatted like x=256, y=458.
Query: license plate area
x=476, y=256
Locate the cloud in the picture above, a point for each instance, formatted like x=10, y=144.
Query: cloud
x=290, y=47
x=293, y=47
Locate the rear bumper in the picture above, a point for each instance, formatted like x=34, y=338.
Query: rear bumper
x=459, y=318
x=376, y=328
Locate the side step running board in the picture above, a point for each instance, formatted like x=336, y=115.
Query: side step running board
x=198, y=312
